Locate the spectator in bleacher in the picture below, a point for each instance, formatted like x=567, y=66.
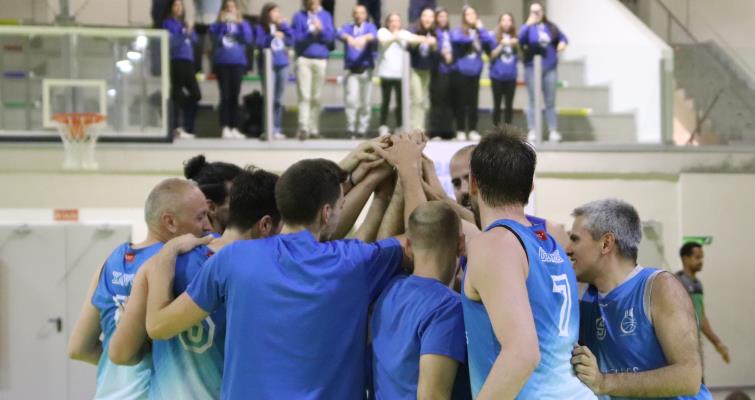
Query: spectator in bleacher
x=205, y=12
x=441, y=97
x=314, y=37
x=393, y=41
x=230, y=34
x=359, y=61
x=469, y=42
x=417, y=7
x=539, y=36
x=503, y=68
x=184, y=90
x=274, y=33
x=422, y=51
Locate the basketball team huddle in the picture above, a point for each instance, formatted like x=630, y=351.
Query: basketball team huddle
x=254, y=285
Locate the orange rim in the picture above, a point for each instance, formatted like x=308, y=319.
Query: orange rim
x=78, y=122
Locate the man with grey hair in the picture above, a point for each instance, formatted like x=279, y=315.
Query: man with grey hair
x=637, y=325
x=174, y=207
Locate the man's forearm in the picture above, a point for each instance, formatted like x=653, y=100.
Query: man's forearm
x=368, y=231
x=414, y=195
x=393, y=220
x=355, y=201
x=673, y=380
x=506, y=378
x=160, y=283
x=709, y=333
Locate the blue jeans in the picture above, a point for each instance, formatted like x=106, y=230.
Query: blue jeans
x=550, y=78
x=279, y=85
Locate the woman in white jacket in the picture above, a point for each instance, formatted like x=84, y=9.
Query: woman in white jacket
x=392, y=47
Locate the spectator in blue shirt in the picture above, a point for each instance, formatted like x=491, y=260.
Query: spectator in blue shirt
x=422, y=52
x=359, y=44
x=503, y=67
x=417, y=323
x=184, y=90
x=469, y=42
x=314, y=37
x=441, y=97
x=274, y=33
x=231, y=34
x=541, y=37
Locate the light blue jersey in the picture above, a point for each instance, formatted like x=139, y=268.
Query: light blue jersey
x=190, y=365
x=552, y=291
x=618, y=330
x=118, y=381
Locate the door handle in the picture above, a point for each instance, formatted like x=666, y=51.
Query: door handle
x=58, y=323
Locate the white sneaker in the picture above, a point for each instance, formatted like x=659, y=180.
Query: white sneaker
x=314, y=135
x=301, y=135
x=474, y=136
x=461, y=135
x=531, y=136
x=383, y=130
x=554, y=137
x=180, y=133
x=237, y=134
x=278, y=136
x=227, y=133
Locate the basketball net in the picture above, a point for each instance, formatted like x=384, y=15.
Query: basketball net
x=79, y=132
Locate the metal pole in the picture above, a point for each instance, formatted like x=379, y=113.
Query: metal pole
x=405, y=95
x=537, y=113
x=269, y=89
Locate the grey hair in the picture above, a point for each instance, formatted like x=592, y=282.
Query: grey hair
x=616, y=217
x=164, y=197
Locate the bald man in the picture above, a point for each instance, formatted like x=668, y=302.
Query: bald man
x=174, y=207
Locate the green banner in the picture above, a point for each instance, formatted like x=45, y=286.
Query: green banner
x=701, y=240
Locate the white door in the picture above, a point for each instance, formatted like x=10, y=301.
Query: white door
x=87, y=247
x=32, y=308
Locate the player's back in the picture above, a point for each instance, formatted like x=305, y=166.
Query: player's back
x=618, y=329
x=190, y=365
x=412, y=317
x=552, y=291
x=110, y=297
x=297, y=313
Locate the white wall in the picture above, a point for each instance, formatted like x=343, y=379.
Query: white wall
x=620, y=51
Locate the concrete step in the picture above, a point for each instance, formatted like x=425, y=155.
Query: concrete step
x=613, y=128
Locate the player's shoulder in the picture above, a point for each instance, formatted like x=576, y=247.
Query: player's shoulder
x=498, y=240
x=118, y=255
x=667, y=289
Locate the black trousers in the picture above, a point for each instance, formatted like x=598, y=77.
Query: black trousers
x=386, y=87
x=503, y=90
x=229, y=83
x=441, y=111
x=184, y=94
x=199, y=46
x=466, y=90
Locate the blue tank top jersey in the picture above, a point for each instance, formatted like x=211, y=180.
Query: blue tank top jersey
x=190, y=365
x=111, y=295
x=618, y=330
x=552, y=290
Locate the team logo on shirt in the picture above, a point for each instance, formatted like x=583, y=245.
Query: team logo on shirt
x=600, y=328
x=199, y=337
x=628, y=323
x=553, y=258
x=541, y=235
x=129, y=257
x=121, y=279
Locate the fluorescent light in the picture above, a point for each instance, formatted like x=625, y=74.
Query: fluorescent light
x=124, y=66
x=141, y=42
x=111, y=92
x=134, y=55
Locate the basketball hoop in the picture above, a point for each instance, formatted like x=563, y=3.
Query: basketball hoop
x=79, y=131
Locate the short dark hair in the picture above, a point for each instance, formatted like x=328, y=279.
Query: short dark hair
x=305, y=187
x=503, y=165
x=252, y=197
x=212, y=178
x=434, y=225
x=687, y=248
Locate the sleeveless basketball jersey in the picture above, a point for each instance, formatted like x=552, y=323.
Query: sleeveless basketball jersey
x=114, y=288
x=617, y=329
x=190, y=365
x=552, y=291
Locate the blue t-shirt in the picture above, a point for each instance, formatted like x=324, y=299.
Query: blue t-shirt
x=504, y=67
x=110, y=296
x=190, y=365
x=359, y=59
x=618, y=330
x=181, y=40
x=541, y=39
x=414, y=316
x=552, y=291
x=296, y=313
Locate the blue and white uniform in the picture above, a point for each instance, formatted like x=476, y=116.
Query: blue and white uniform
x=118, y=381
x=618, y=328
x=190, y=365
x=552, y=291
